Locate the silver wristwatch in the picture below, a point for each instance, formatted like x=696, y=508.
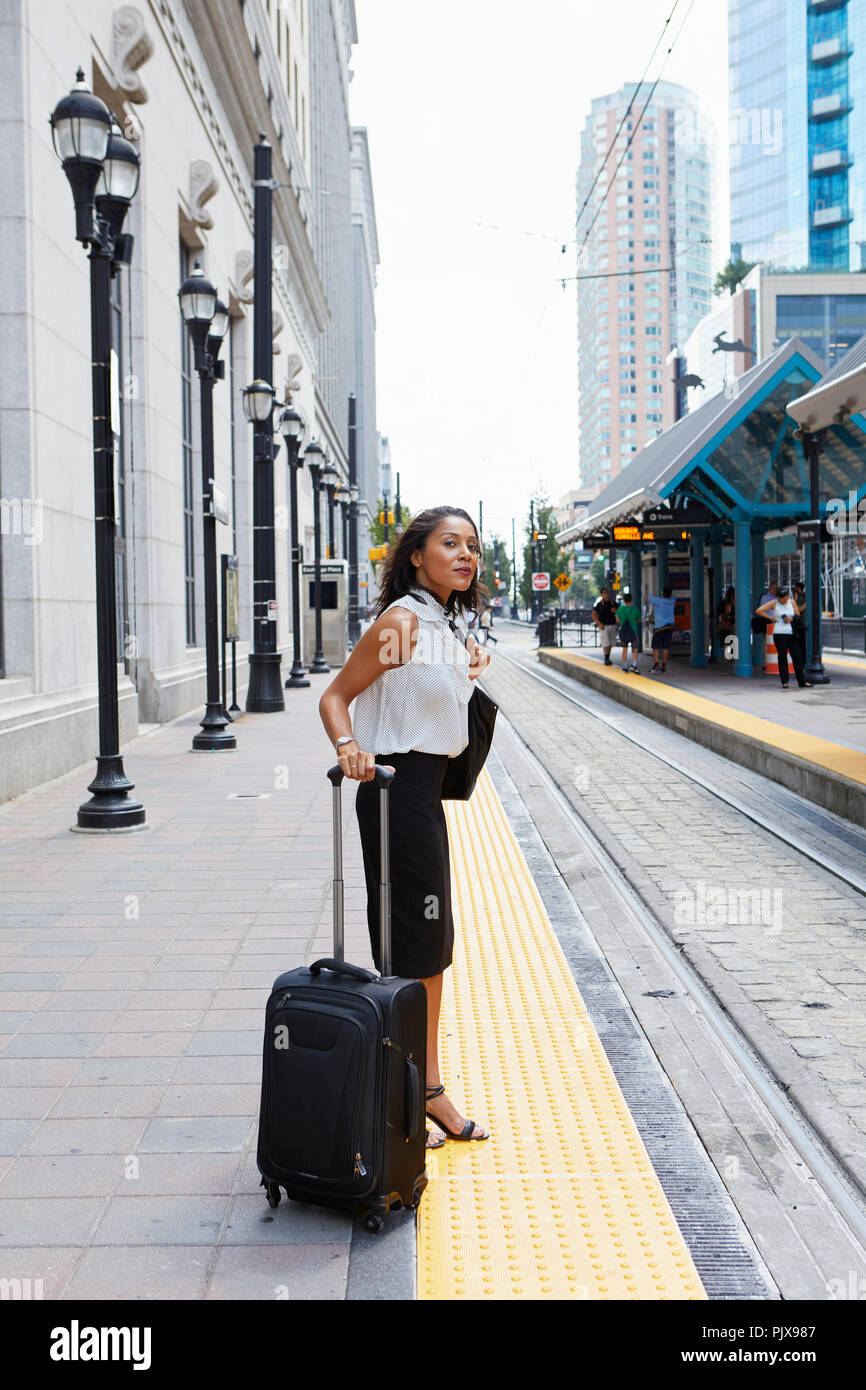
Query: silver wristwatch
x=344, y=738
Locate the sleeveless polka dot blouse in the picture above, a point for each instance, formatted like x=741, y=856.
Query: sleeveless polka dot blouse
x=421, y=705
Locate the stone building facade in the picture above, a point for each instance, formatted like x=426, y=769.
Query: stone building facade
x=193, y=82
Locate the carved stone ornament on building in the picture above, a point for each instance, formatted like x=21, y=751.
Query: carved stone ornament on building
x=243, y=278
x=132, y=46
x=203, y=184
x=294, y=367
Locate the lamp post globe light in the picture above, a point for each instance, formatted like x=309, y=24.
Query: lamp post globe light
x=329, y=478
x=207, y=320
x=314, y=456
x=102, y=169
x=291, y=427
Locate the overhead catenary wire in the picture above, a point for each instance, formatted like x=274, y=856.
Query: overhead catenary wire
x=616, y=133
x=628, y=144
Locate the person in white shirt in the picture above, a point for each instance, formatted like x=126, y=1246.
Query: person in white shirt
x=411, y=678
x=781, y=611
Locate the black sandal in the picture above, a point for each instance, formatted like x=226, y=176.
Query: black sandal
x=465, y=1133
x=437, y=1145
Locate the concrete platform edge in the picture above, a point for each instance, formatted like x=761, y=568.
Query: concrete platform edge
x=816, y=784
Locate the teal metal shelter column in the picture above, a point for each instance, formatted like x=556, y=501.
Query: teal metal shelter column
x=757, y=590
x=696, y=583
x=718, y=589
x=634, y=566
x=743, y=603
x=662, y=548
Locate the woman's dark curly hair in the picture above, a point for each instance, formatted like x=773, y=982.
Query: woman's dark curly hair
x=398, y=574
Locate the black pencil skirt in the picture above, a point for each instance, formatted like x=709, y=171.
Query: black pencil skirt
x=422, y=928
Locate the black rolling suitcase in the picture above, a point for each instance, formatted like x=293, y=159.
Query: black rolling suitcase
x=342, y=1119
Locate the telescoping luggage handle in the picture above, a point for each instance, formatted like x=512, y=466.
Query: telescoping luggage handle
x=383, y=778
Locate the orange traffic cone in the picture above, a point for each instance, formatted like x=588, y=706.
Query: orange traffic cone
x=770, y=653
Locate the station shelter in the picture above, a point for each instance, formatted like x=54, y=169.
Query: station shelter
x=730, y=474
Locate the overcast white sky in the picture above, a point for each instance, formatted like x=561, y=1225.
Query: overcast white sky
x=474, y=110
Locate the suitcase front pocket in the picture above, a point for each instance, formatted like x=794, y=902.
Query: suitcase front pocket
x=318, y=1069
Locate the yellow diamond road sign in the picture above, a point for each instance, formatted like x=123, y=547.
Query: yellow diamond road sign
x=562, y=581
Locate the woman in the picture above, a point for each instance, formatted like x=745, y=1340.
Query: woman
x=781, y=612
x=486, y=623
x=411, y=676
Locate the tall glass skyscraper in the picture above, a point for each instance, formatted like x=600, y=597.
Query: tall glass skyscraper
x=798, y=132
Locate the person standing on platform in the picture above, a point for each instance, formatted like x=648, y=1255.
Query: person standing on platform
x=411, y=679
x=781, y=612
x=485, y=622
x=604, y=617
x=759, y=624
x=664, y=608
x=726, y=625
x=628, y=617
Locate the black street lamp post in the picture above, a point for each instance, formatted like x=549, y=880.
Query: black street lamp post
x=813, y=445
x=207, y=319
x=315, y=459
x=265, y=693
x=344, y=519
x=329, y=480
x=103, y=172
x=354, y=619
x=292, y=428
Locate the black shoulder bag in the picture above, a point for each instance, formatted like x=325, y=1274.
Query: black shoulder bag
x=463, y=771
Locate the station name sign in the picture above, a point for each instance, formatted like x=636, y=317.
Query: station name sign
x=657, y=524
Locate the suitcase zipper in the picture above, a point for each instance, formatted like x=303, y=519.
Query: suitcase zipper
x=360, y=1170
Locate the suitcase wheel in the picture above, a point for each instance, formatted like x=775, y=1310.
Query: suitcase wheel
x=273, y=1194
x=373, y=1223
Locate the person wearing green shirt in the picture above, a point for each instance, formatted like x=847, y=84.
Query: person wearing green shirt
x=628, y=617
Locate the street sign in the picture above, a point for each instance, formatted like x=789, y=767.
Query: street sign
x=808, y=532
x=231, y=599
x=695, y=514
x=218, y=503
x=583, y=559
x=600, y=540
x=541, y=580
x=562, y=581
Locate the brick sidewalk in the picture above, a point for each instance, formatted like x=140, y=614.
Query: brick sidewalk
x=134, y=971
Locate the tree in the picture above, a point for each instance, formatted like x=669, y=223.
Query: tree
x=732, y=275
x=376, y=528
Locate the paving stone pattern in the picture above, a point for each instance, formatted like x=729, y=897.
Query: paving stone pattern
x=134, y=971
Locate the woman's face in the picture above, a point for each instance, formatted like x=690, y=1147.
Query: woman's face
x=451, y=556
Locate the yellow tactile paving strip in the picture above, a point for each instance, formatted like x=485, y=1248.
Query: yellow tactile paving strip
x=562, y=1201
x=833, y=757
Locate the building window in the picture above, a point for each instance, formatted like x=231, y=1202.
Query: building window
x=187, y=464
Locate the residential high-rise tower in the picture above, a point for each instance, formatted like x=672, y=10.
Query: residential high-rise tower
x=643, y=238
